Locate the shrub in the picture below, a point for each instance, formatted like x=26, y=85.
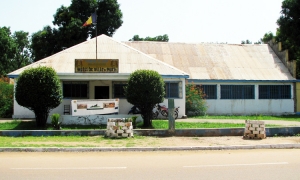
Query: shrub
x=55, y=121
x=195, y=103
x=39, y=90
x=145, y=88
x=6, y=99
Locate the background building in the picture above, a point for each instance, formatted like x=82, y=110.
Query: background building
x=237, y=79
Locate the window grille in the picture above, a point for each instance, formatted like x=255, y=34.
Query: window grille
x=237, y=91
x=172, y=89
x=118, y=89
x=75, y=89
x=274, y=91
x=210, y=91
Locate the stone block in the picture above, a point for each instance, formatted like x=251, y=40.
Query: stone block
x=120, y=131
x=128, y=131
x=121, y=124
x=261, y=136
x=262, y=132
x=251, y=128
x=255, y=132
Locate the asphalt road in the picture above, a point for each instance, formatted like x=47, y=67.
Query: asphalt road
x=230, y=164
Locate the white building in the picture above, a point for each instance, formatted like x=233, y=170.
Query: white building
x=81, y=77
x=237, y=79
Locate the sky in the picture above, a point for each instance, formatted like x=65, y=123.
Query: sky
x=189, y=21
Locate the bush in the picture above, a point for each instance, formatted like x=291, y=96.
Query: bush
x=145, y=88
x=195, y=103
x=6, y=99
x=55, y=121
x=39, y=90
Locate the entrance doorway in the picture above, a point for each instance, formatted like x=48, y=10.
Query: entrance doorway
x=101, y=92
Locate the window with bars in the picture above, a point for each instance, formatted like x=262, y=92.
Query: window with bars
x=172, y=89
x=237, y=91
x=210, y=91
x=75, y=89
x=274, y=91
x=118, y=89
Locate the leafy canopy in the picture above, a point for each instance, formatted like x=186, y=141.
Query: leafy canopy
x=163, y=38
x=145, y=88
x=14, y=50
x=39, y=90
x=68, y=30
x=6, y=98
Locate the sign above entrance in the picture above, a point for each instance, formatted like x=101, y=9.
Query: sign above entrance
x=96, y=66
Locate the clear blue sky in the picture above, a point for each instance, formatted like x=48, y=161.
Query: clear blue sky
x=188, y=21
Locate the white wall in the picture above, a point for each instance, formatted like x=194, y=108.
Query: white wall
x=21, y=112
x=250, y=106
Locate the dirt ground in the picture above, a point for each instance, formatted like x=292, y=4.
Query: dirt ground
x=169, y=142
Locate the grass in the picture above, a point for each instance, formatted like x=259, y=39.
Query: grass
x=157, y=124
x=253, y=117
x=69, y=141
x=163, y=124
x=30, y=125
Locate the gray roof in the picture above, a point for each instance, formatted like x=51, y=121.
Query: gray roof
x=218, y=61
x=130, y=59
x=198, y=61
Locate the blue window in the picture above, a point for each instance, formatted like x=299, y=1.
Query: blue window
x=118, y=90
x=210, y=91
x=172, y=89
x=75, y=89
x=237, y=91
x=274, y=91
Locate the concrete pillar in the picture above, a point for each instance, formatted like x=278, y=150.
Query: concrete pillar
x=171, y=114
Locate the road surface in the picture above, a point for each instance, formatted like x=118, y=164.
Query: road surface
x=227, y=164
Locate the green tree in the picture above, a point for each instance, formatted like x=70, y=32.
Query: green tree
x=288, y=31
x=267, y=37
x=15, y=52
x=145, y=88
x=39, y=90
x=23, y=55
x=69, y=31
x=6, y=98
x=8, y=49
x=246, y=42
x=163, y=38
x=195, y=103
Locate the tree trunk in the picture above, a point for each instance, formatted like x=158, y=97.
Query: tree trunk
x=41, y=118
x=147, y=117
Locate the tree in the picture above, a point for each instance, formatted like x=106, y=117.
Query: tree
x=163, y=38
x=6, y=98
x=267, y=37
x=195, y=103
x=288, y=31
x=8, y=50
x=23, y=55
x=69, y=21
x=246, y=42
x=289, y=22
x=15, y=52
x=39, y=90
x=145, y=89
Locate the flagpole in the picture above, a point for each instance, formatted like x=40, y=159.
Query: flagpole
x=96, y=42
x=96, y=32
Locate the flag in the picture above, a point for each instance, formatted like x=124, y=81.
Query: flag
x=91, y=19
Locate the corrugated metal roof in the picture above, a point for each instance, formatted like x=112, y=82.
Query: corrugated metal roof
x=130, y=59
x=218, y=61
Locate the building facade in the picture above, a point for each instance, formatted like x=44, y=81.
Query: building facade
x=237, y=79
